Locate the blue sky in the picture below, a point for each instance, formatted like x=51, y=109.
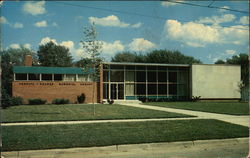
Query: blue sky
x=207, y=34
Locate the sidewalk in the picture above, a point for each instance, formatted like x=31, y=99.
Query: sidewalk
x=93, y=121
x=226, y=148
x=240, y=120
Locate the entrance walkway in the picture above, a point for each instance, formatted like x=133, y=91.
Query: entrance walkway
x=240, y=120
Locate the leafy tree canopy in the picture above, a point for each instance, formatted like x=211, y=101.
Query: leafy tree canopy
x=242, y=60
x=156, y=56
x=52, y=54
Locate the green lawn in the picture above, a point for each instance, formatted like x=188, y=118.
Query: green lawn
x=103, y=134
x=233, y=108
x=27, y=113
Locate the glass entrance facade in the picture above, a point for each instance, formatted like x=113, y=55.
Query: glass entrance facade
x=129, y=81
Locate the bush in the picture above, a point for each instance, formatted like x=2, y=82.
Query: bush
x=81, y=98
x=37, y=101
x=110, y=101
x=16, y=101
x=196, y=98
x=60, y=101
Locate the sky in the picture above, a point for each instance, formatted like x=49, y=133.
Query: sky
x=205, y=33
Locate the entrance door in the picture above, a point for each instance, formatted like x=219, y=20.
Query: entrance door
x=117, y=91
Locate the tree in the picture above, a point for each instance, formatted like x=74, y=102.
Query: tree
x=93, y=48
x=220, y=62
x=54, y=55
x=10, y=58
x=156, y=56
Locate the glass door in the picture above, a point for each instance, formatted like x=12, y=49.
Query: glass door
x=117, y=91
x=113, y=91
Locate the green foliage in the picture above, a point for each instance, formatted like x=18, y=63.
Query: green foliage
x=60, y=101
x=8, y=101
x=37, y=101
x=54, y=55
x=93, y=48
x=81, y=98
x=242, y=60
x=220, y=62
x=156, y=56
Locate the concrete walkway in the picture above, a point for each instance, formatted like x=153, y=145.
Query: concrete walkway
x=220, y=148
x=240, y=120
x=93, y=121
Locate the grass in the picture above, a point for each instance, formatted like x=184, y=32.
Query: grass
x=102, y=134
x=29, y=113
x=232, y=108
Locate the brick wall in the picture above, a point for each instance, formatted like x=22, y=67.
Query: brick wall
x=51, y=90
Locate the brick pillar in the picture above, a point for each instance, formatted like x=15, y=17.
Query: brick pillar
x=28, y=60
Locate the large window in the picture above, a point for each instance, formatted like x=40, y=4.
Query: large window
x=117, y=76
x=47, y=77
x=152, y=89
x=130, y=76
x=140, y=76
x=21, y=76
x=172, y=77
x=172, y=89
x=69, y=77
x=58, y=77
x=162, y=77
x=162, y=89
x=105, y=76
x=152, y=76
x=141, y=89
x=34, y=77
x=130, y=89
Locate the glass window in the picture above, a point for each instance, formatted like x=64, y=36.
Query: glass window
x=34, y=76
x=129, y=67
x=141, y=89
x=140, y=76
x=182, y=90
x=162, y=68
x=58, y=77
x=21, y=76
x=69, y=77
x=85, y=77
x=121, y=67
x=152, y=76
x=172, y=89
x=162, y=76
x=140, y=67
x=130, y=76
x=47, y=77
x=129, y=89
x=117, y=76
x=152, y=67
x=172, y=68
x=105, y=76
x=172, y=76
x=183, y=77
x=152, y=89
x=105, y=91
x=162, y=89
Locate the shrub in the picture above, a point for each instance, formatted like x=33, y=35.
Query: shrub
x=110, y=101
x=81, y=98
x=142, y=99
x=37, y=101
x=60, y=101
x=16, y=101
x=195, y=98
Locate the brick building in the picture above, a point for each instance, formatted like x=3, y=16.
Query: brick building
x=128, y=81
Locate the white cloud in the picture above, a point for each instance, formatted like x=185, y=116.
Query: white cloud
x=167, y=4
x=18, y=46
x=223, y=10
x=15, y=46
x=34, y=8
x=141, y=44
x=112, y=21
x=198, y=35
x=68, y=44
x=41, y=24
x=217, y=19
x=3, y=20
x=112, y=48
x=244, y=20
x=230, y=52
x=27, y=45
x=46, y=40
x=18, y=25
